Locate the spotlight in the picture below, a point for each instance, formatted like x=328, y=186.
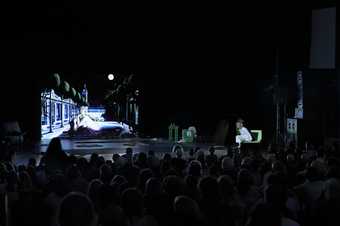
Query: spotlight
x=111, y=77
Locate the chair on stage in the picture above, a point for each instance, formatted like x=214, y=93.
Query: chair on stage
x=187, y=136
x=257, y=137
x=252, y=146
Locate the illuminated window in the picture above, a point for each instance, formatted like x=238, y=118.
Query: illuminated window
x=53, y=111
x=58, y=112
x=66, y=112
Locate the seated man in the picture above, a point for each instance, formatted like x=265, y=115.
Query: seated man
x=242, y=135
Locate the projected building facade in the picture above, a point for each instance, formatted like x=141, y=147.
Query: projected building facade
x=56, y=112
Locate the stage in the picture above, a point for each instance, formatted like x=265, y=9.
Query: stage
x=85, y=147
x=102, y=138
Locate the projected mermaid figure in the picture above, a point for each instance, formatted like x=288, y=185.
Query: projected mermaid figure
x=84, y=125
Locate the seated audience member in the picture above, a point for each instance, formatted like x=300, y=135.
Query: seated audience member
x=292, y=204
x=292, y=169
x=201, y=158
x=165, y=164
x=211, y=159
x=191, y=155
x=228, y=168
x=195, y=169
x=142, y=161
x=276, y=167
x=173, y=186
x=249, y=193
x=156, y=202
x=133, y=205
x=231, y=205
x=55, y=157
x=264, y=215
x=25, y=183
x=210, y=202
x=93, y=192
x=178, y=163
x=75, y=180
x=110, y=213
x=144, y=175
x=105, y=173
x=76, y=209
x=119, y=184
x=152, y=161
x=328, y=208
x=309, y=192
x=191, y=183
x=276, y=196
x=32, y=162
x=187, y=212
x=128, y=156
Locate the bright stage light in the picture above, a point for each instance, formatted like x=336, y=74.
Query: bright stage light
x=110, y=77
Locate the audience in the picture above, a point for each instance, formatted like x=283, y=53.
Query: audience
x=283, y=188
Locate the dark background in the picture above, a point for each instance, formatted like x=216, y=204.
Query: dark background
x=196, y=64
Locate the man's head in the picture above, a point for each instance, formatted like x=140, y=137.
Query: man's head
x=191, y=152
x=129, y=151
x=76, y=209
x=239, y=123
x=227, y=163
x=179, y=152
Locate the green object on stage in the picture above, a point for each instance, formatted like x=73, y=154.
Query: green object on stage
x=257, y=137
x=173, y=132
x=187, y=136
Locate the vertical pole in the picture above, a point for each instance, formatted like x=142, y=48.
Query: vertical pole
x=51, y=122
x=285, y=121
x=337, y=60
x=137, y=114
x=62, y=113
x=127, y=109
x=176, y=133
x=133, y=118
x=299, y=109
x=69, y=111
x=170, y=131
x=118, y=112
x=277, y=98
x=277, y=133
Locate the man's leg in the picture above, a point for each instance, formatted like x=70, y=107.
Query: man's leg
x=238, y=140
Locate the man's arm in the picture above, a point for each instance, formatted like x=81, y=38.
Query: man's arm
x=245, y=135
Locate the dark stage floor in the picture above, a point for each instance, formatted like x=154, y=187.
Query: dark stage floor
x=108, y=147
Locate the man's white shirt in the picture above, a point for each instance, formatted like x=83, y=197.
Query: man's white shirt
x=244, y=136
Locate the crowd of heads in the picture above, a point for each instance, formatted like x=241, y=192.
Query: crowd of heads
x=282, y=186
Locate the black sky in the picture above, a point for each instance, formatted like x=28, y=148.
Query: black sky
x=204, y=53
